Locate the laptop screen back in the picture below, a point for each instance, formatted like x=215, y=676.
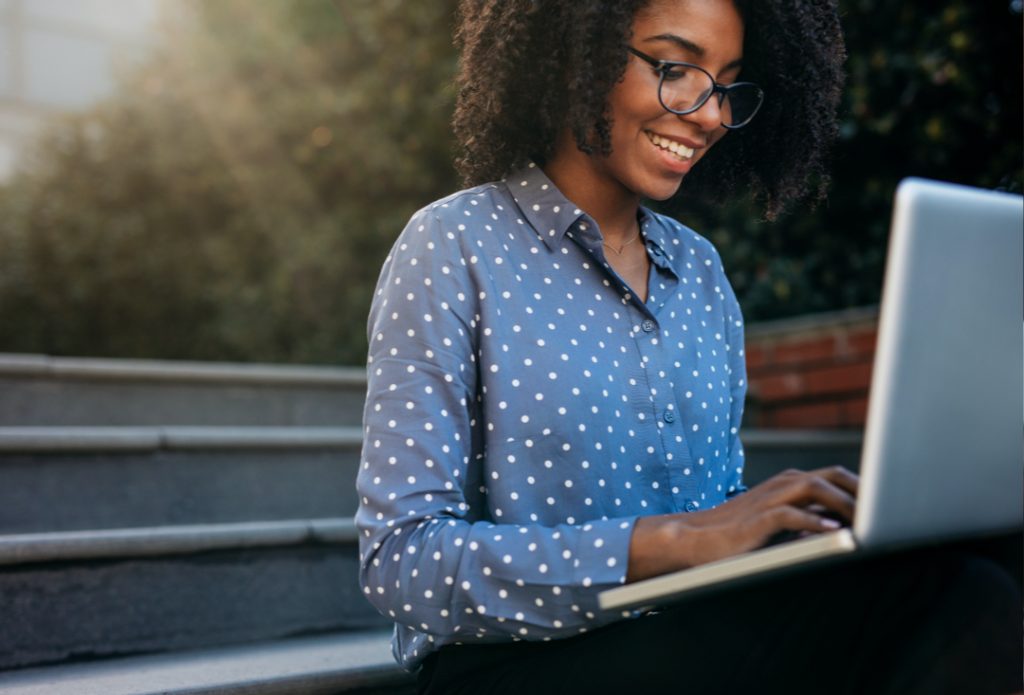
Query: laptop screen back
x=943, y=445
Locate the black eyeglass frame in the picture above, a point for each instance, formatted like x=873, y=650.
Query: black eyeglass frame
x=663, y=67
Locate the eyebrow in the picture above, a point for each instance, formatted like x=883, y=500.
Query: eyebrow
x=690, y=46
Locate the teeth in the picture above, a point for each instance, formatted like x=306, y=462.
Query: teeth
x=680, y=151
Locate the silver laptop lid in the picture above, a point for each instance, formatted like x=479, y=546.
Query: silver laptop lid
x=945, y=428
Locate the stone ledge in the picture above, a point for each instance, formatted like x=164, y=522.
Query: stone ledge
x=25, y=548
x=812, y=324
x=800, y=439
x=109, y=369
x=339, y=663
x=71, y=439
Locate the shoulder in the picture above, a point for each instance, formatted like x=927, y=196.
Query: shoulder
x=442, y=240
x=467, y=207
x=449, y=225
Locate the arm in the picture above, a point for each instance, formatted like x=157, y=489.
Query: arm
x=431, y=558
x=792, y=500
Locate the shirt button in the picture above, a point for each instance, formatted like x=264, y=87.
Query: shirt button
x=669, y=416
x=648, y=325
x=691, y=506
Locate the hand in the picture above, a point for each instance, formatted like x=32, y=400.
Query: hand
x=801, y=501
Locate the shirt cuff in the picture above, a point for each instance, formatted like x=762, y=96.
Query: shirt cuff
x=602, y=554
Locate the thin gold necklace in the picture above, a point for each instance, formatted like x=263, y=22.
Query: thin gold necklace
x=618, y=252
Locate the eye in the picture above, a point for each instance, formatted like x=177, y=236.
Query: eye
x=673, y=72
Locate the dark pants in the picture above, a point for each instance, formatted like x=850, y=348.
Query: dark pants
x=922, y=622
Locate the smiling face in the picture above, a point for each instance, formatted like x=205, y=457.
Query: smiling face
x=653, y=149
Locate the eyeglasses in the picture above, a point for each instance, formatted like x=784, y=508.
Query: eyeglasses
x=684, y=88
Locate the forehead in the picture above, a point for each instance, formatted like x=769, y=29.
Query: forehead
x=714, y=25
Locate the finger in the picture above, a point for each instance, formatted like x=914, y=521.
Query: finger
x=812, y=489
x=837, y=475
x=840, y=477
x=834, y=488
x=822, y=511
x=789, y=518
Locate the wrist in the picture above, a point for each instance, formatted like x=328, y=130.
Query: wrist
x=659, y=544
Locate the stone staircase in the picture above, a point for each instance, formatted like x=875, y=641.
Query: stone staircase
x=197, y=513
x=173, y=527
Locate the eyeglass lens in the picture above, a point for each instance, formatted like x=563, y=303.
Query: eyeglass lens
x=684, y=88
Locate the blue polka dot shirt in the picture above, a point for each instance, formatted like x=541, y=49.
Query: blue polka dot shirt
x=525, y=407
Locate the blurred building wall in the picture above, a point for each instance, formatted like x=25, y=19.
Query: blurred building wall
x=811, y=371
x=59, y=55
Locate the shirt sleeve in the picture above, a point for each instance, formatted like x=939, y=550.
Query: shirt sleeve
x=431, y=558
x=737, y=391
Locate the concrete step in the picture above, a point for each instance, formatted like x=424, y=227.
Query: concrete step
x=37, y=390
x=357, y=663
x=62, y=479
x=149, y=507
x=70, y=590
x=91, y=594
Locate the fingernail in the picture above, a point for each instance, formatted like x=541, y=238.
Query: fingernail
x=830, y=523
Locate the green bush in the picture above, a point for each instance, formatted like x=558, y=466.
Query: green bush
x=931, y=92
x=237, y=196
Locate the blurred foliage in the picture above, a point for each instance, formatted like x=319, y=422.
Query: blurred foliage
x=235, y=199
x=934, y=90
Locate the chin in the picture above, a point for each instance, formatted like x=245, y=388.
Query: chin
x=663, y=190
x=662, y=195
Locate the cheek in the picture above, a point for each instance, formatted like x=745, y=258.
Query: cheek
x=633, y=103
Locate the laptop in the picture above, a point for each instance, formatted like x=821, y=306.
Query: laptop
x=943, y=454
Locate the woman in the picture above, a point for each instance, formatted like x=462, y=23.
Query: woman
x=556, y=374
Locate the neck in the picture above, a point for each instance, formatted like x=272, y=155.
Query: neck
x=581, y=179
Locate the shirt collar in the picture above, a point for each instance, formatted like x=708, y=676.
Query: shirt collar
x=551, y=214
x=547, y=210
x=656, y=238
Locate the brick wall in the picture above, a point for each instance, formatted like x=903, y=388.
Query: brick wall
x=811, y=371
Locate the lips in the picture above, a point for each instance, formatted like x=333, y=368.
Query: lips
x=673, y=147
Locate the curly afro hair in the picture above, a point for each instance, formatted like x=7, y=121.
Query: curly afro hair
x=529, y=69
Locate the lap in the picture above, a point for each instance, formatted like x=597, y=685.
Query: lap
x=846, y=627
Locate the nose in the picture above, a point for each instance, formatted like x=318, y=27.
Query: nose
x=709, y=116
